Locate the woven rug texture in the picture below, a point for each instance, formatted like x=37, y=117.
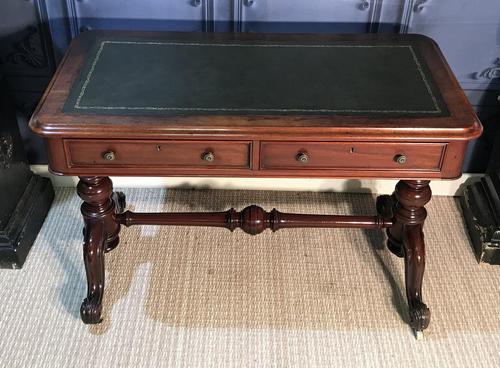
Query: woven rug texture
x=206, y=297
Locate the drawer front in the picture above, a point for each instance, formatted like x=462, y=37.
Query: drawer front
x=148, y=153
x=351, y=155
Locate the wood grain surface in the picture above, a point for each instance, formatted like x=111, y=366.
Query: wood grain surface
x=434, y=145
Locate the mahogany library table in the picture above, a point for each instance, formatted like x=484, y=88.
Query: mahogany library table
x=255, y=105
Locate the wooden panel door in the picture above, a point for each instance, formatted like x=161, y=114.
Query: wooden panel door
x=186, y=15
x=467, y=32
x=304, y=16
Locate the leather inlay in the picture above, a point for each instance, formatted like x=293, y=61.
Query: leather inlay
x=131, y=76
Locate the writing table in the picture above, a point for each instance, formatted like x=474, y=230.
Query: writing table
x=255, y=105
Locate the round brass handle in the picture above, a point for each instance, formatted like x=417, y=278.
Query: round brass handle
x=303, y=157
x=400, y=159
x=208, y=156
x=108, y=156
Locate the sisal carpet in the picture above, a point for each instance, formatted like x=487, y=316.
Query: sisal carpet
x=200, y=297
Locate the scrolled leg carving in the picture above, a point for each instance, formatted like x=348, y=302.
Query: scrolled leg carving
x=100, y=234
x=93, y=255
x=409, y=216
x=414, y=250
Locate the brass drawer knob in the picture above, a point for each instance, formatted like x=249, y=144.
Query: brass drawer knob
x=303, y=157
x=108, y=156
x=208, y=156
x=400, y=159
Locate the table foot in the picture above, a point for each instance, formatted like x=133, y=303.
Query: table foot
x=420, y=317
x=101, y=231
x=90, y=311
x=419, y=335
x=414, y=251
x=406, y=238
x=93, y=256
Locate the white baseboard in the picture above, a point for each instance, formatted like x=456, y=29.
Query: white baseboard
x=444, y=187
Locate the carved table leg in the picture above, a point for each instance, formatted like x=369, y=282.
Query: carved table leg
x=93, y=256
x=409, y=216
x=395, y=233
x=100, y=234
x=118, y=199
x=385, y=208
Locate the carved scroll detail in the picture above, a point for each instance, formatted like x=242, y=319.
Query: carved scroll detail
x=491, y=72
x=25, y=51
x=419, y=5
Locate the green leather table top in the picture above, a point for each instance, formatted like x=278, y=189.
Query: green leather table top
x=127, y=76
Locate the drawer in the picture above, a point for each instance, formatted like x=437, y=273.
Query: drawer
x=161, y=153
x=351, y=155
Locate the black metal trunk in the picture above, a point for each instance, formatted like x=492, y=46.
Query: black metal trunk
x=25, y=198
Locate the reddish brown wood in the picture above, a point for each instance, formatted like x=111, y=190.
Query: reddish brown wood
x=50, y=121
x=453, y=131
x=100, y=235
x=164, y=153
x=253, y=220
x=351, y=155
x=414, y=254
x=406, y=238
x=257, y=146
x=450, y=167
